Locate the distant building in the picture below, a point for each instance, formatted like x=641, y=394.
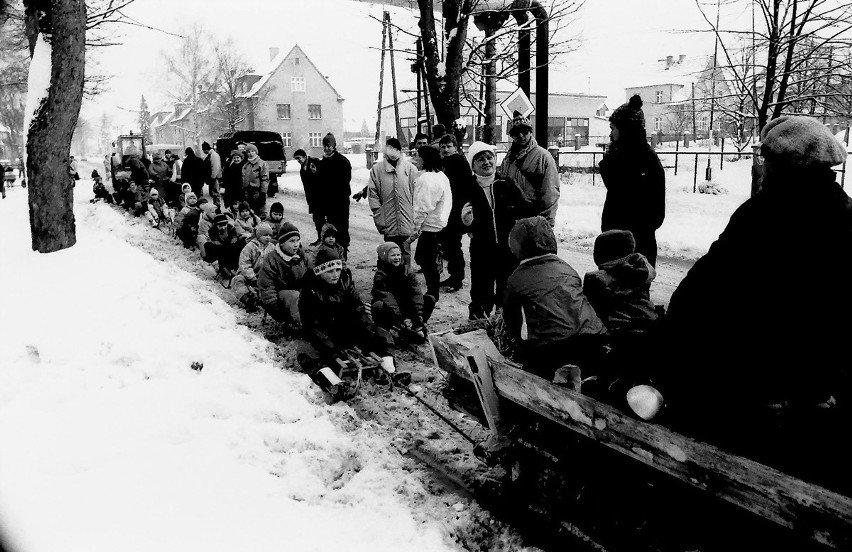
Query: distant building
x=293, y=98
x=572, y=119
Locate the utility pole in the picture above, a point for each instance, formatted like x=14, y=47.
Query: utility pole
x=709, y=172
x=415, y=68
x=381, y=86
x=694, y=131
x=399, y=134
x=490, y=22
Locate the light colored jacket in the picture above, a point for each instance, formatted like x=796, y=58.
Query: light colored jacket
x=215, y=165
x=535, y=174
x=433, y=200
x=251, y=258
x=256, y=175
x=391, y=197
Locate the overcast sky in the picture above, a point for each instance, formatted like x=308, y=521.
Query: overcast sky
x=618, y=37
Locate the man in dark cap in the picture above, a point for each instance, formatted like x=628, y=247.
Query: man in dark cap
x=533, y=171
x=759, y=328
x=634, y=179
x=335, y=173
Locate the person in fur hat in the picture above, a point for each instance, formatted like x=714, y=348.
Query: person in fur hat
x=634, y=179
x=533, y=171
x=244, y=285
x=399, y=306
x=281, y=276
x=545, y=310
x=779, y=354
x=276, y=217
x=336, y=173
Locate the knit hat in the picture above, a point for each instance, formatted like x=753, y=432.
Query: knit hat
x=518, y=123
x=276, y=208
x=629, y=114
x=263, y=229
x=476, y=148
x=205, y=146
x=287, y=231
x=327, y=259
x=802, y=142
x=384, y=250
x=220, y=218
x=612, y=245
x=251, y=147
x=329, y=140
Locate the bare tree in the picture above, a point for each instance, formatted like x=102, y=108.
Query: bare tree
x=62, y=24
x=230, y=66
x=14, y=63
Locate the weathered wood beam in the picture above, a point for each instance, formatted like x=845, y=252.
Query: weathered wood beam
x=807, y=509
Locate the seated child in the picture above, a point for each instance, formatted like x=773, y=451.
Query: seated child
x=99, y=189
x=158, y=211
x=186, y=222
x=399, y=307
x=276, y=217
x=328, y=241
x=205, y=222
x=545, y=310
x=280, y=278
x=334, y=318
x=222, y=245
x=244, y=284
x=245, y=222
x=232, y=210
x=133, y=199
x=619, y=289
x=184, y=189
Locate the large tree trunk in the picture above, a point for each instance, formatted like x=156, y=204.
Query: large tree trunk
x=49, y=135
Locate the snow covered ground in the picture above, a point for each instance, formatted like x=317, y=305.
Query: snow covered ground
x=111, y=442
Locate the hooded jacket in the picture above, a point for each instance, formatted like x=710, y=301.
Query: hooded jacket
x=545, y=294
x=251, y=259
x=620, y=295
x=255, y=174
x=338, y=249
x=277, y=273
x=246, y=227
x=534, y=172
x=635, y=189
x=391, y=197
x=397, y=288
x=433, y=201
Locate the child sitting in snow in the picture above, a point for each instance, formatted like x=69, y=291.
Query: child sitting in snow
x=280, y=278
x=186, y=222
x=221, y=243
x=334, y=318
x=158, y=211
x=98, y=188
x=246, y=221
x=399, y=308
x=244, y=284
x=184, y=189
x=276, y=217
x=232, y=210
x=133, y=199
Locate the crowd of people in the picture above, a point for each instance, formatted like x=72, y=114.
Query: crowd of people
x=772, y=345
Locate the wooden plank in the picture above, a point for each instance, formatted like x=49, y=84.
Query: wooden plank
x=808, y=509
x=480, y=373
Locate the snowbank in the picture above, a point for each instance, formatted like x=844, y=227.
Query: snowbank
x=111, y=442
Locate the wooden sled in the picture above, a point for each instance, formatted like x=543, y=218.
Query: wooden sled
x=807, y=509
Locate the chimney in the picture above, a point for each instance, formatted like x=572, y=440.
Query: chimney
x=669, y=60
x=273, y=53
x=681, y=57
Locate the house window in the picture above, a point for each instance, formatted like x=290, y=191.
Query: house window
x=297, y=84
x=658, y=124
x=659, y=96
x=296, y=61
x=288, y=140
x=283, y=111
x=314, y=111
x=316, y=139
x=702, y=123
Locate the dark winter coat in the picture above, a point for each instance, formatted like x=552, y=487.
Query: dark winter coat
x=229, y=237
x=335, y=173
x=159, y=172
x=193, y=172
x=232, y=178
x=312, y=184
x=534, y=172
x=462, y=186
x=635, y=189
x=138, y=173
x=278, y=273
x=398, y=290
x=620, y=295
x=186, y=225
x=333, y=316
x=545, y=294
x=491, y=228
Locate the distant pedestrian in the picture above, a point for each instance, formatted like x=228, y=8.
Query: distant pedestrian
x=462, y=184
x=634, y=179
x=107, y=167
x=391, y=196
x=533, y=170
x=309, y=173
x=255, y=181
x=336, y=173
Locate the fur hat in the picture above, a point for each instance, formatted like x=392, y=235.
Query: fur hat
x=802, y=142
x=384, y=250
x=476, y=148
x=329, y=140
x=220, y=218
x=263, y=229
x=327, y=259
x=518, y=123
x=276, y=207
x=287, y=231
x=612, y=245
x=629, y=114
x=251, y=147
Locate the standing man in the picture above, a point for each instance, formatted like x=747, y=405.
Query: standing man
x=391, y=197
x=420, y=140
x=308, y=172
x=193, y=173
x=533, y=170
x=335, y=172
x=255, y=181
x=635, y=180
x=213, y=164
x=462, y=184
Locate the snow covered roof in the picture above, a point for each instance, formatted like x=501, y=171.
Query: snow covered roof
x=183, y=114
x=680, y=70
x=275, y=64
x=158, y=118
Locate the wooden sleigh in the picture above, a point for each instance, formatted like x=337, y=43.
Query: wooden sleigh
x=808, y=510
